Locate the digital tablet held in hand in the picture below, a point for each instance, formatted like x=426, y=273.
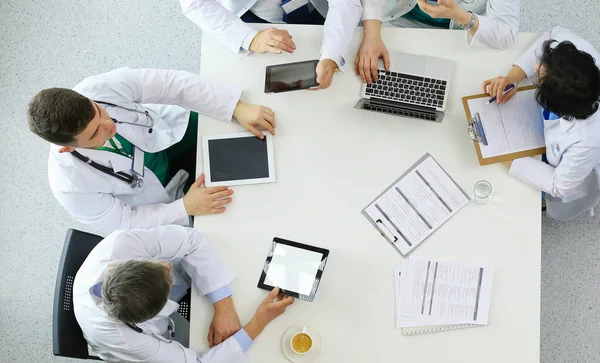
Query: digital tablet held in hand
x=238, y=159
x=294, y=267
x=291, y=76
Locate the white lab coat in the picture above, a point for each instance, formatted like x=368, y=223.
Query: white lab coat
x=221, y=18
x=572, y=147
x=498, y=19
x=108, y=204
x=111, y=339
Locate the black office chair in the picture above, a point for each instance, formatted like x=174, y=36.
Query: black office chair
x=67, y=337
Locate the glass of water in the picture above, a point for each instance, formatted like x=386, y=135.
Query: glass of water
x=482, y=191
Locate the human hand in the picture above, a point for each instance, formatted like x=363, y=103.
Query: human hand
x=225, y=322
x=367, y=58
x=445, y=9
x=496, y=87
x=272, y=41
x=271, y=307
x=251, y=116
x=199, y=200
x=325, y=70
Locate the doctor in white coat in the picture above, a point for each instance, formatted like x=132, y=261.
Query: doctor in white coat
x=564, y=68
x=107, y=118
x=487, y=23
x=221, y=19
x=121, y=299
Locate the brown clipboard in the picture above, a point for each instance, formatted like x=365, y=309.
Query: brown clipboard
x=500, y=158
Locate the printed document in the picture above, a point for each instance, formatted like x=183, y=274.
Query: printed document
x=512, y=127
x=416, y=205
x=441, y=295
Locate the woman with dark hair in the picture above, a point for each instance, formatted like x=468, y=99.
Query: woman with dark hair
x=565, y=71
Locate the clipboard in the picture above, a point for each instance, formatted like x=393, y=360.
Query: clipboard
x=384, y=231
x=476, y=132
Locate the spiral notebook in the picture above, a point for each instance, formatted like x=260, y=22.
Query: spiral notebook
x=436, y=296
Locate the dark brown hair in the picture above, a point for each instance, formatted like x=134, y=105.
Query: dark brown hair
x=57, y=115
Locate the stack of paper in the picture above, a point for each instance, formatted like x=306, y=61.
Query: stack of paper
x=433, y=296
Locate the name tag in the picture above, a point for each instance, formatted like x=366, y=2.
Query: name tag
x=137, y=164
x=290, y=6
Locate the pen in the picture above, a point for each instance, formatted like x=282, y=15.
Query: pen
x=506, y=90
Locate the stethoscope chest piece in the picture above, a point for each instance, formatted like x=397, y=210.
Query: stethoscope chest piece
x=137, y=182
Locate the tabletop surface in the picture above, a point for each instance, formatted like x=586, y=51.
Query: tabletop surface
x=331, y=160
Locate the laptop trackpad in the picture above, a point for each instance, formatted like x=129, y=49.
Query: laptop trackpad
x=409, y=64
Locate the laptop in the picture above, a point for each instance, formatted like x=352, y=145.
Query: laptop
x=416, y=87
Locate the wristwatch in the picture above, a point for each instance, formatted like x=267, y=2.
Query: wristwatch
x=471, y=24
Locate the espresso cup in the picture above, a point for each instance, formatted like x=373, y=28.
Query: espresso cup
x=301, y=342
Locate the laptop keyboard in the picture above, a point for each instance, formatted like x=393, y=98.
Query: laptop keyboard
x=408, y=88
x=429, y=116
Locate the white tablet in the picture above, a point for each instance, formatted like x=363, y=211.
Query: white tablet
x=238, y=159
x=296, y=268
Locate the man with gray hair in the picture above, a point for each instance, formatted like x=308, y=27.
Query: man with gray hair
x=122, y=299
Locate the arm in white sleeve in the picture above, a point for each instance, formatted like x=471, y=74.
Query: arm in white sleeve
x=372, y=9
x=144, y=348
x=500, y=26
x=342, y=19
x=169, y=87
x=188, y=90
x=530, y=58
x=176, y=243
x=214, y=19
x=107, y=213
x=563, y=180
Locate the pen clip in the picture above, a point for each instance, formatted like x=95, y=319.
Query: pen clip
x=377, y=222
x=476, y=130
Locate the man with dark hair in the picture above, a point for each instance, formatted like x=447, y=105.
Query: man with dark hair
x=119, y=140
x=564, y=68
x=122, y=299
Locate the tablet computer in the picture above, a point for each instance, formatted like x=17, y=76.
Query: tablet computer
x=291, y=76
x=238, y=159
x=294, y=267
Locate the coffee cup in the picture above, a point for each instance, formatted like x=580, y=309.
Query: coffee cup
x=301, y=342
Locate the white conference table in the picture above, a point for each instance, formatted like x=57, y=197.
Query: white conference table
x=331, y=161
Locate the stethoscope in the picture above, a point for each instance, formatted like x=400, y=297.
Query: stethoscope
x=133, y=180
x=151, y=122
x=170, y=331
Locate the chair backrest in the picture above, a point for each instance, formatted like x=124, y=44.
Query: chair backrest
x=67, y=337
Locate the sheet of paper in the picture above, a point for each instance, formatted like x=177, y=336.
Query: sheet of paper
x=415, y=206
x=439, y=292
x=511, y=127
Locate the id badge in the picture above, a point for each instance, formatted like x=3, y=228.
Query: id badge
x=137, y=164
x=290, y=6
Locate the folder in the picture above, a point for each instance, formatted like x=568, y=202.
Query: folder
x=507, y=131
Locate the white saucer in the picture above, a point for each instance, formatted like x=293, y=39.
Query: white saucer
x=309, y=357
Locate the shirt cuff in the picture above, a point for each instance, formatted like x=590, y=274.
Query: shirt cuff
x=372, y=13
x=219, y=294
x=248, y=40
x=338, y=59
x=534, y=172
x=181, y=214
x=243, y=339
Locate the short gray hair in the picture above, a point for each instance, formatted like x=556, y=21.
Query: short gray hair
x=136, y=291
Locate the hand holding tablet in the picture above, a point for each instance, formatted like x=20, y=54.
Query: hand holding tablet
x=200, y=201
x=294, y=267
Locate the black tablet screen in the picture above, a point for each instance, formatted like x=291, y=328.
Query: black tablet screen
x=292, y=76
x=238, y=158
